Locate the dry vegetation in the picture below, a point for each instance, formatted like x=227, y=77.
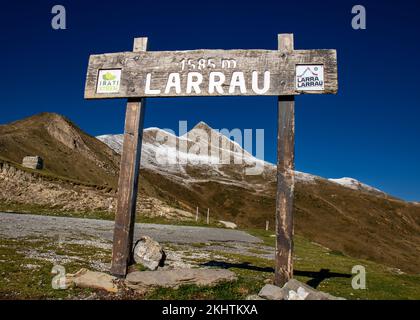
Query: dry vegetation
x=80, y=179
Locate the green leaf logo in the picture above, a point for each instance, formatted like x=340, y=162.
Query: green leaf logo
x=108, y=76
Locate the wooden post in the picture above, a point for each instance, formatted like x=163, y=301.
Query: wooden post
x=285, y=177
x=208, y=215
x=267, y=223
x=128, y=180
x=196, y=215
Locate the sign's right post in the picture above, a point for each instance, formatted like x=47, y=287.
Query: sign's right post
x=285, y=176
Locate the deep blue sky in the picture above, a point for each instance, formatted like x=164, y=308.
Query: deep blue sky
x=369, y=131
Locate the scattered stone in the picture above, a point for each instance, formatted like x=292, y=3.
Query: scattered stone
x=396, y=271
x=35, y=163
x=32, y=266
x=271, y=292
x=140, y=280
x=229, y=225
x=91, y=279
x=178, y=260
x=297, y=290
x=254, y=297
x=149, y=253
x=300, y=294
x=294, y=290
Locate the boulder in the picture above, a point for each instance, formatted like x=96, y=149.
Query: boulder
x=271, y=292
x=91, y=279
x=229, y=225
x=149, y=253
x=140, y=280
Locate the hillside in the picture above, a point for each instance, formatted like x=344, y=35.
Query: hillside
x=68, y=151
x=344, y=215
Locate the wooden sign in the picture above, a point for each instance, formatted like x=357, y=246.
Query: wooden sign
x=139, y=74
x=211, y=73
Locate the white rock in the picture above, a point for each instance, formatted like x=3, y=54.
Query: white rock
x=149, y=253
x=294, y=290
x=229, y=225
x=301, y=294
x=300, y=291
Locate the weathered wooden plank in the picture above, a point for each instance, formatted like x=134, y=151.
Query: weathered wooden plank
x=128, y=181
x=285, y=179
x=210, y=65
x=140, y=44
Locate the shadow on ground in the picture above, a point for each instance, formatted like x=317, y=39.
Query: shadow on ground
x=317, y=276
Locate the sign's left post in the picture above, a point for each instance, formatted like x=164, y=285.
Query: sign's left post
x=128, y=180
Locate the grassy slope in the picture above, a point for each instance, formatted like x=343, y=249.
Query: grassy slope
x=366, y=226
x=73, y=160
x=17, y=281
x=310, y=259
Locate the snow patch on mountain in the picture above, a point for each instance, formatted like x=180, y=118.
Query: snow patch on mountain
x=200, y=146
x=161, y=152
x=305, y=177
x=354, y=184
x=114, y=141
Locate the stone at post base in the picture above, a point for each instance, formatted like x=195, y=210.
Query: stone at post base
x=85, y=278
x=298, y=290
x=294, y=290
x=149, y=253
x=142, y=280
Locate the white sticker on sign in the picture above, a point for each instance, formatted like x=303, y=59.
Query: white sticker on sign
x=310, y=77
x=109, y=81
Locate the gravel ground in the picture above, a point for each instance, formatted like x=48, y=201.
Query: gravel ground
x=27, y=225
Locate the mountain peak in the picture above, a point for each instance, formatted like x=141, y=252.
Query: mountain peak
x=203, y=126
x=39, y=119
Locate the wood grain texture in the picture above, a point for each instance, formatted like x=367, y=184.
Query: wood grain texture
x=128, y=181
x=285, y=179
x=281, y=65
